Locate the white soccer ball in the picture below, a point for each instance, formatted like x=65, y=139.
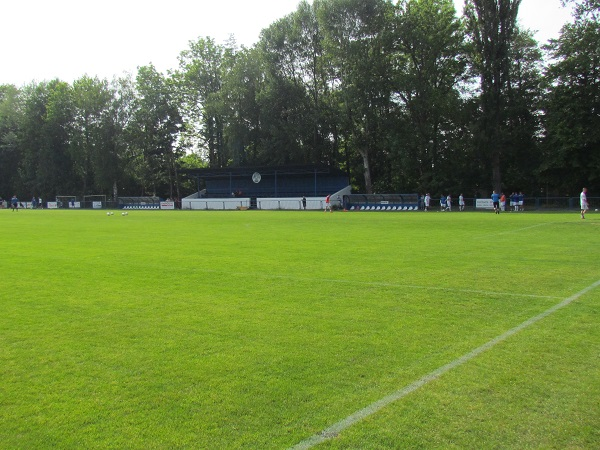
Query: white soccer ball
x=108, y=214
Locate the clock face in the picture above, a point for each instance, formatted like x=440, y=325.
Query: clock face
x=256, y=177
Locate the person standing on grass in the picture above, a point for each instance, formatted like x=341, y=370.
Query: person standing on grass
x=584, y=203
x=496, y=202
x=303, y=202
x=503, y=202
x=14, y=203
x=328, y=203
x=521, y=201
x=427, y=201
x=443, y=203
x=449, y=203
x=461, y=202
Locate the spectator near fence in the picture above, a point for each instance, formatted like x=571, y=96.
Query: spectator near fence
x=328, y=203
x=14, y=203
x=583, y=202
x=496, y=202
x=521, y=198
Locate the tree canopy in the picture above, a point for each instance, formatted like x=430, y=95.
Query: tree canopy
x=405, y=96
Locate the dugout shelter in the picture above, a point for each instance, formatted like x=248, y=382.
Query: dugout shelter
x=147, y=202
x=381, y=202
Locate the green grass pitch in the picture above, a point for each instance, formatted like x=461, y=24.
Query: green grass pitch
x=260, y=329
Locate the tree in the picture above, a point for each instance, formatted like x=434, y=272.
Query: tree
x=46, y=167
x=492, y=25
x=521, y=149
x=429, y=66
x=11, y=110
x=572, y=109
x=243, y=81
x=199, y=83
x=153, y=133
x=585, y=9
x=92, y=133
x=283, y=99
x=297, y=72
x=357, y=43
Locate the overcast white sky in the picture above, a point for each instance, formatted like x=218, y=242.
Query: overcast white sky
x=66, y=39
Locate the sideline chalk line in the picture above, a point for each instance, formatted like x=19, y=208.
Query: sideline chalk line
x=371, y=409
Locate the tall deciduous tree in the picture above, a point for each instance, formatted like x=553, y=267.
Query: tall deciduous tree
x=492, y=25
x=11, y=110
x=521, y=148
x=285, y=99
x=154, y=131
x=429, y=64
x=243, y=80
x=199, y=84
x=46, y=168
x=572, y=109
x=295, y=63
x=91, y=141
x=358, y=44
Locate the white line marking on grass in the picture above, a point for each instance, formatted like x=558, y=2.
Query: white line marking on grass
x=437, y=288
x=514, y=231
x=410, y=286
x=361, y=414
x=383, y=284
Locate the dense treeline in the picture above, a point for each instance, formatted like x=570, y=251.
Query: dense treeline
x=405, y=96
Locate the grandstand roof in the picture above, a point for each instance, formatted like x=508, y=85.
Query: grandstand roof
x=274, y=181
x=263, y=170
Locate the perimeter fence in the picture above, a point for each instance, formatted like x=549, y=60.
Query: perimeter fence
x=542, y=203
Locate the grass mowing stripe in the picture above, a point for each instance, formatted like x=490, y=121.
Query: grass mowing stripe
x=381, y=284
x=359, y=415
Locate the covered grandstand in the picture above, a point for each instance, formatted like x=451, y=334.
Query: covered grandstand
x=267, y=187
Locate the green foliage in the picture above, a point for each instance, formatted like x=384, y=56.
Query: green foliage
x=297, y=95
x=92, y=146
x=358, y=43
x=153, y=132
x=11, y=110
x=431, y=59
x=492, y=25
x=404, y=96
x=572, y=119
x=522, y=130
x=199, y=89
x=45, y=165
